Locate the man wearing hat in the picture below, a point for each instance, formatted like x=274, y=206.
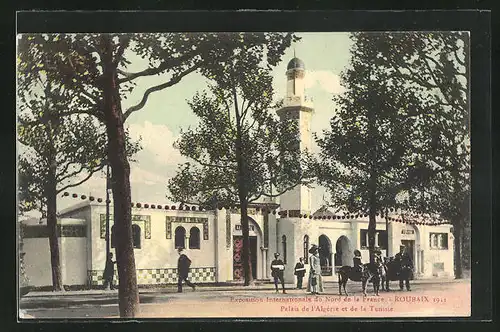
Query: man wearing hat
x=183, y=265
x=277, y=271
x=356, y=260
x=405, y=267
x=315, y=284
x=300, y=271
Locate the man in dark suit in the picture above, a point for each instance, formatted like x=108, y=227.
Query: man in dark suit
x=183, y=265
x=405, y=265
x=300, y=271
x=277, y=271
x=109, y=272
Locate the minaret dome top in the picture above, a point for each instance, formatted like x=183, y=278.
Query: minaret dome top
x=296, y=63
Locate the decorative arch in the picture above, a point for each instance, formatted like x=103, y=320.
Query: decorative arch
x=180, y=237
x=325, y=255
x=343, y=251
x=194, y=238
x=136, y=236
x=258, y=230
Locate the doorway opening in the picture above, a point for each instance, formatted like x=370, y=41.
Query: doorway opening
x=237, y=257
x=325, y=255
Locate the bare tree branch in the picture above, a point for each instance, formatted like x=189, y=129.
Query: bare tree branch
x=82, y=181
x=165, y=65
x=176, y=79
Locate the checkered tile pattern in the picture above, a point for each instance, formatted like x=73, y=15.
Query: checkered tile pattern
x=158, y=276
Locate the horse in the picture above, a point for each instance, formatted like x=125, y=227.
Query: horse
x=394, y=272
x=370, y=273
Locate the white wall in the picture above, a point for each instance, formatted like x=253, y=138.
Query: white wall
x=158, y=251
x=72, y=252
x=37, y=261
x=425, y=256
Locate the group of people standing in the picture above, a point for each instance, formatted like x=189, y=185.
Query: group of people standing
x=315, y=281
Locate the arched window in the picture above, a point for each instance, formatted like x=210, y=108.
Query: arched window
x=306, y=249
x=180, y=237
x=113, y=236
x=136, y=236
x=283, y=242
x=194, y=238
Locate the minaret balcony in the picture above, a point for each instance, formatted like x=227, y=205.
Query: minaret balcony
x=298, y=101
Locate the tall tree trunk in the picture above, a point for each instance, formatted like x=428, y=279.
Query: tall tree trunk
x=247, y=267
x=372, y=220
x=457, y=249
x=243, y=193
x=120, y=167
x=55, y=260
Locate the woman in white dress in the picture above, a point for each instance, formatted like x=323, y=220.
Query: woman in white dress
x=314, y=272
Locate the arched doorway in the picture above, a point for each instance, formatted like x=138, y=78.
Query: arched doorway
x=255, y=236
x=325, y=255
x=343, y=251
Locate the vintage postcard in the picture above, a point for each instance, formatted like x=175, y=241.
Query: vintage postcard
x=278, y=175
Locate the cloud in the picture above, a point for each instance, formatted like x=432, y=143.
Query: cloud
x=326, y=80
x=158, y=141
x=141, y=176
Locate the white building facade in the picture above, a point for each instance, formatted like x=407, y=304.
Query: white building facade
x=213, y=239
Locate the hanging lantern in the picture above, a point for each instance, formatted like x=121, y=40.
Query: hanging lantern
x=99, y=200
x=138, y=205
x=173, y=207
x=74, y=195
x=146, y=206
x=132, y=205
x=167, y=207
x=66, y=193
x=84, y=197
x=91, y=198
x=310, y=217
x=159, y=207
x=153, y=206
x=108, y=201
x=200, y=208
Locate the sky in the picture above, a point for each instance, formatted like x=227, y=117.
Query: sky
x=159, y=123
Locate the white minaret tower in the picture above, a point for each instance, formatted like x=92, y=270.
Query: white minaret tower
x=298, y=106
x=295, y=226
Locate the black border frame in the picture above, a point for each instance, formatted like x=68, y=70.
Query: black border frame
x=477, y=22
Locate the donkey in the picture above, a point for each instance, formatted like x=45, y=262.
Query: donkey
x=370, y=273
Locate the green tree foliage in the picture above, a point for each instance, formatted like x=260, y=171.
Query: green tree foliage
x=240, y=151
x=365, y=155
x=95, y=66
x=404, y=123
x=58, y=152
x=437, y=64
